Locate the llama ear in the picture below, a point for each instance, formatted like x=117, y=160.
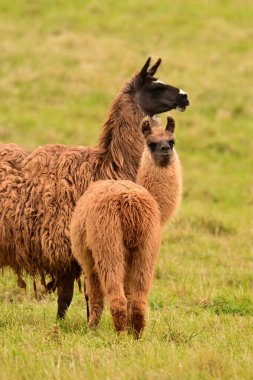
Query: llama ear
x=170, y=124
x=144, y=70
x=154, y=68
x=146, y=128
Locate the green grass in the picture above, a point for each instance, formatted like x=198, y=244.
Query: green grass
x=61, y=64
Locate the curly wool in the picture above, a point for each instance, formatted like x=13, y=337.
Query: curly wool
x=39, y=191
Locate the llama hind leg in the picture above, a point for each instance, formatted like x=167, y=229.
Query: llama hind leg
x=83, y=255
x=140, y=282
x=127, y=288
x=93, y=290
x=96, y=300
x=111, y=271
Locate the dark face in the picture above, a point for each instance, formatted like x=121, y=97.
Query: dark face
x=156, y=97
x=160, y=141
x=162, y=150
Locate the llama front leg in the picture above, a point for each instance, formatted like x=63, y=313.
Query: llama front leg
x=65, y=287
x=87, y=302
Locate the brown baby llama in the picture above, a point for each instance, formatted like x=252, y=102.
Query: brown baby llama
x=115, y=230
x=38, y=196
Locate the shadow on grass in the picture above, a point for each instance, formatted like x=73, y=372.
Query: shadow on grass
x=76, y=326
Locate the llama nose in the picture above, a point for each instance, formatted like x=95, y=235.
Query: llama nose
x=182, y=99
x=165, y=147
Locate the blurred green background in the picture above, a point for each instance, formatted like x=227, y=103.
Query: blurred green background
x=61, y=64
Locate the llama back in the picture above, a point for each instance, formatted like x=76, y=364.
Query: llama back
x=12, y=155
x=139, y=214
x=110, y=212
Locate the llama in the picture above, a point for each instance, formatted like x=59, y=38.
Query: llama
x=34, y=224
x=115, y=230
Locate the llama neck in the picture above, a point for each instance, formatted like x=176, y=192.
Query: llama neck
x=164, y=184
x=121, y=140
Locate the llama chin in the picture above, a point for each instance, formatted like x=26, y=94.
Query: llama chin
x=180, y=108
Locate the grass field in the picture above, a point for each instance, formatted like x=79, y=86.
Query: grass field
x=61, y=64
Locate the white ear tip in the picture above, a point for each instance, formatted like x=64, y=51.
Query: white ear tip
x=182, y=92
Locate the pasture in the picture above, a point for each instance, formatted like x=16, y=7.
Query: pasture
x=61, y=64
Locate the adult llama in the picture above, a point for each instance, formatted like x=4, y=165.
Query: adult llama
x=116, y=228
x=38, y=196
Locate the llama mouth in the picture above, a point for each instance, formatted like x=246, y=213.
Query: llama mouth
x=166, y=154
x=181, y=108
x=182, y=104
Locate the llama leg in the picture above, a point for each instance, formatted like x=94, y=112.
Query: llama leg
x=93, y=292
x=111, y=272
x=96, y=300
x=126, y=287
x=83, y=255
x=140, y=281
x=87, y=303
x=65, y=285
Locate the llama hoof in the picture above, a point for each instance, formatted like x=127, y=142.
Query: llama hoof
x=120, y=320
x=93, y=322
x=121, y=335
x=92, y=325
x=138, y=323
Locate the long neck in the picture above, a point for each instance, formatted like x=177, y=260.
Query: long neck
x=164, y=184
x=121, y=141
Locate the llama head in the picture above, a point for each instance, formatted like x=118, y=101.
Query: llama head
x=160, y=141
x=154, y=96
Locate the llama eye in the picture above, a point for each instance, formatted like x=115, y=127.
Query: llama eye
x=152, y=146
x=172, y=143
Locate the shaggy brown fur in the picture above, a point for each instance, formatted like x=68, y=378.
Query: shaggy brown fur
x=11, y=158
x=38, y=199
x=115, y=231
